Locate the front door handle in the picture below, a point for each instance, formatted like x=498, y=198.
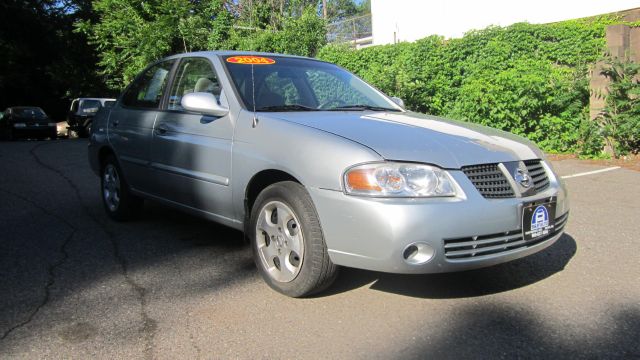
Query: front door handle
x=161, y=130
x=115, y=123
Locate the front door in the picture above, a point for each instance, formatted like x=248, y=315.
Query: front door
x=191, y=152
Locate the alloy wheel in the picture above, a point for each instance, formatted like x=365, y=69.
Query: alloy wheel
x=280, y=241
x=111, y=187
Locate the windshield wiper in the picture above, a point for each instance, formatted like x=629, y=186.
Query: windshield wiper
x=361, y=107
x=292, y=107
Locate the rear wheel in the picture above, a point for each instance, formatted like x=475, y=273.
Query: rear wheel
x=119, y=202
x=287, y=241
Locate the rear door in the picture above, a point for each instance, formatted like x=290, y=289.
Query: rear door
x=191, y=152
x=131, y=123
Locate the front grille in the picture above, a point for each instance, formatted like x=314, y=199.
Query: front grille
x=489, y=180
x=477, y=247
x=538, y=174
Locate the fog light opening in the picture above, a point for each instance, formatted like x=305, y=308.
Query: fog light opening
x=410, y=252
x=418, y=253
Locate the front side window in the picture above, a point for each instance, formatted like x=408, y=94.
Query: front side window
x=147, y=89
x=294, y=84
x=193, y=75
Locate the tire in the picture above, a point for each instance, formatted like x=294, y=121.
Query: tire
x=85, y=131
x=119, y=203
x=287, y=241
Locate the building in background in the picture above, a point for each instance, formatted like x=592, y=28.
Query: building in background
x=409, y=20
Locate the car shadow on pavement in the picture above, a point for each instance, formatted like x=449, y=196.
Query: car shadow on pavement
x=498, y=330
x=490, y=280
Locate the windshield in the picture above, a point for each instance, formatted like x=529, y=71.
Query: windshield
x=291, y=84
x=29, y=112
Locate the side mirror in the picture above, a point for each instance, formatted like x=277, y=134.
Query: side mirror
x=203, y=102
x=398, y=101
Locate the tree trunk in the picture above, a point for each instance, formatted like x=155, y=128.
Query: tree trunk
x=324, y=9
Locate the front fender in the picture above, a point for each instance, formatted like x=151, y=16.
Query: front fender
x=314, y=157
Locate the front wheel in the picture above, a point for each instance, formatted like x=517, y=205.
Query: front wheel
x=287, y=241
x=86, y=130
x=119, y=202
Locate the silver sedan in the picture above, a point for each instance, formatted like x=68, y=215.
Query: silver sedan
x=321, y=170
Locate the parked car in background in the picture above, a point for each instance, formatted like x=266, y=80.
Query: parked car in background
x=320, y=169
x=26, y=121
x=82, y=112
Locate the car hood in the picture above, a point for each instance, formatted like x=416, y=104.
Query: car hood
x=416, y=137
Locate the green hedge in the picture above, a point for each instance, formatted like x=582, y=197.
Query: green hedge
x=528, y=79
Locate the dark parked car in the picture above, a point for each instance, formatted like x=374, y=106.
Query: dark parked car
x=82, y=112
x=26, y=121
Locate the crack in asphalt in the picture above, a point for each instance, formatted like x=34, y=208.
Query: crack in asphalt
x=51, y=276
x=149, y=325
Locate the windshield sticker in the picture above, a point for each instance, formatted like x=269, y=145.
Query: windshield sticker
x=250, y=60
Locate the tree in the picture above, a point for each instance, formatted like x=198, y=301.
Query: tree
x=44, y=63
x=130, y=34
x=340, y=9
x=620, y=118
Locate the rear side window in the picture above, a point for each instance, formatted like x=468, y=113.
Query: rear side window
x=147, y=89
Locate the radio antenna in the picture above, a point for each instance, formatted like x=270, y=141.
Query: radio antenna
x=253, y=96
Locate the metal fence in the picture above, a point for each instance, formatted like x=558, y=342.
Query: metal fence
x=352, y=30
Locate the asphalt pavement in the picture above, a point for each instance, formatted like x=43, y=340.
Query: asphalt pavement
x=74, y=284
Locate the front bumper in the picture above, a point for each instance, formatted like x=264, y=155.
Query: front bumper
x=78, y=122
x=35, y=131
x=373, y=234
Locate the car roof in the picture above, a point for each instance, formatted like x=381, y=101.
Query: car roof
x=24, y=107
x=90, y=98
x=234, y=52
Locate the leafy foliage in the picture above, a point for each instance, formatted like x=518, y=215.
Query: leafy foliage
x=528, y=79
x=620, y=119
x=130, y=34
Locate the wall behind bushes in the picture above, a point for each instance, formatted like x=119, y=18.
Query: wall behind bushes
x=528, y=79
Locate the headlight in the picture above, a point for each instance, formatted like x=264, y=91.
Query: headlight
x=19, y=125
x=398, y=180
